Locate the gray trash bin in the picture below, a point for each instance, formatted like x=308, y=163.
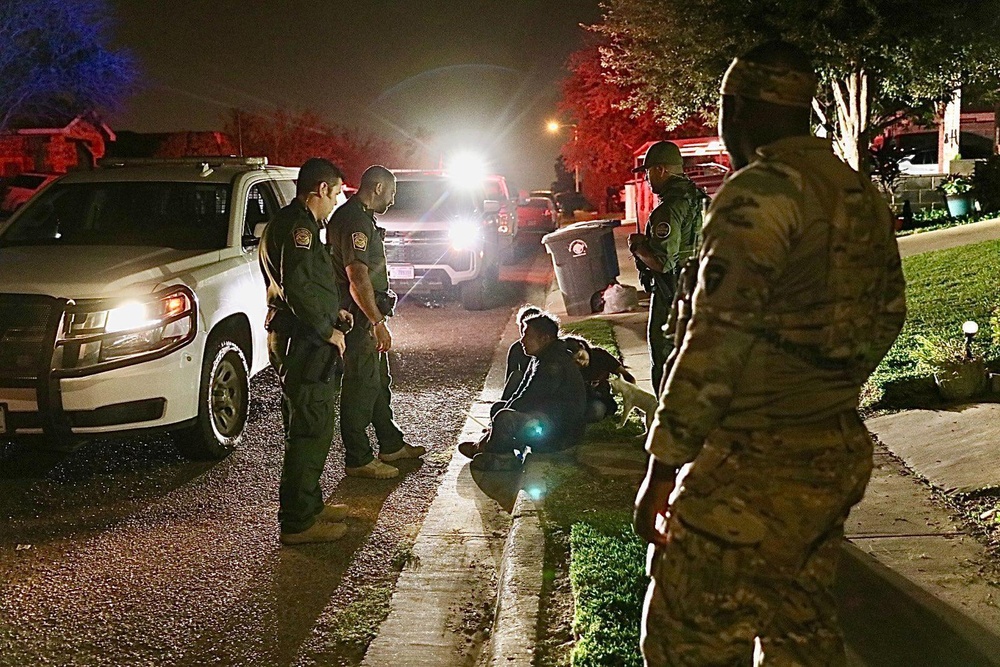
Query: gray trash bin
x=585, y=261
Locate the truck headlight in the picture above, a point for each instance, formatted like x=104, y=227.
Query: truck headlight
x=97, y=337
x=464, y=235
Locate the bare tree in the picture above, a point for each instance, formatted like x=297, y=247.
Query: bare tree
x=55, y=62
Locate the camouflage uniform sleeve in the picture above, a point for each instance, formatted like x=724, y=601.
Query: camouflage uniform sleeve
x=893, y=308
x=310, y=288
x=746, y=244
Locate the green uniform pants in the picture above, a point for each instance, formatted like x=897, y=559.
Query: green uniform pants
x=366, y=399
x=755, y=538
x=659, y=346
x=309, y=413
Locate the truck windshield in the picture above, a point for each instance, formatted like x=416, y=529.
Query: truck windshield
x=187, y=216
x=430, y=200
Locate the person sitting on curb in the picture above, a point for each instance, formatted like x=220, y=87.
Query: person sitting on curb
x=517, y=360
x=546, y=411
x=596, y=366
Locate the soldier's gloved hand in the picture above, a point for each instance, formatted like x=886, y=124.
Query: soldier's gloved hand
x=347, y=317
x=383, y=337
x=337, y=340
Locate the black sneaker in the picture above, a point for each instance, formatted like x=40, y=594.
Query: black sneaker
x=468, y=449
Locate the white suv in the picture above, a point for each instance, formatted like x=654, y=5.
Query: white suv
x=131, y=298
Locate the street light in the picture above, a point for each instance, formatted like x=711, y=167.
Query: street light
x=554, y=126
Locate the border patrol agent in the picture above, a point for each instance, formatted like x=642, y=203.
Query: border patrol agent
x=757, y=449
x=305, y=343
x=670, y=238
x=356, y=245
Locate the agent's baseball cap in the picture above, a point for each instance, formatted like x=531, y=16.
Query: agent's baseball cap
x=662, y=152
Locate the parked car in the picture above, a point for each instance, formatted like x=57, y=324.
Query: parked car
x=920, y=151
x=131, y=298
x=537, y=215
x=442, y=234
x=21, y=188
x=496, y=190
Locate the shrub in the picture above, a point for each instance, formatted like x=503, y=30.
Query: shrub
x=986, y=179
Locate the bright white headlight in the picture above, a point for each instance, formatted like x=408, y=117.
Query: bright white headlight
x=131, y=315
x=463, y=235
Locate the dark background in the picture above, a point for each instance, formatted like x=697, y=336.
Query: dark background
x=480, y=75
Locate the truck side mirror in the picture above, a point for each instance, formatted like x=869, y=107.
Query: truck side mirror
x=490, y=207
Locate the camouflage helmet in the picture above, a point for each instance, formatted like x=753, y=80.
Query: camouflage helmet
x=664, y=153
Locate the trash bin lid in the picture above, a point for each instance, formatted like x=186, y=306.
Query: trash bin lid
x=577, y=227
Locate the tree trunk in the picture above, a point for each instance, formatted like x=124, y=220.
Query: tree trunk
x=850, y=137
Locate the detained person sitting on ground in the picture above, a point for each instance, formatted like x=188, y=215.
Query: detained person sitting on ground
x=517, y=360
x=596, y=366
x=546, y=411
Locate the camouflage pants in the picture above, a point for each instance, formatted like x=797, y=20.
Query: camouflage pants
x=755, y=536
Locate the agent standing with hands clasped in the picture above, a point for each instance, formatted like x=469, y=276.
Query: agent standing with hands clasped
x=305, y=344
x=358, y=252
x=757, y=451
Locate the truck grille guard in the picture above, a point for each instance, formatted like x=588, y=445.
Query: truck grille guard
x=29, y=325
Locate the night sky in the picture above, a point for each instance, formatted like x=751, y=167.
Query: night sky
x=480, y=75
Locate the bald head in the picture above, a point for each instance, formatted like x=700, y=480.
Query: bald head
x=377, y=189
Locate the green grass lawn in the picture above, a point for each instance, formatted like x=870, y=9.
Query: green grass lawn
x=943, y=289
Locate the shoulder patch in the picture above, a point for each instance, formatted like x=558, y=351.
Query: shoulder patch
x=303, y=238
x=662, y=230
x=359, y=240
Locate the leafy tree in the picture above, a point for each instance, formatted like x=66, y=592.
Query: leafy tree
x=290, y=138
x=607, y=131
x=878, y=60
x=55, y=62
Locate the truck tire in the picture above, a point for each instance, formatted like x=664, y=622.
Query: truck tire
x=478, y=294
x=223, y=402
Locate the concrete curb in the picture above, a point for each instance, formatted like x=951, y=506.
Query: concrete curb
x=958, y=639
x=519, y=595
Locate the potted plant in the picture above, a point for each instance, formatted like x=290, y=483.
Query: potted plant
x=957, y=194
x=958, y=373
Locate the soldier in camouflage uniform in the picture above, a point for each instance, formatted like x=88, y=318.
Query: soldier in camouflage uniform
x=671, y=237
x=757, y=449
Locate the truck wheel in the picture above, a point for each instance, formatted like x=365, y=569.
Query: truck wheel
x=223, y=401
x=477, y=294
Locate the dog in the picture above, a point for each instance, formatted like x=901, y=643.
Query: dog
x=634, y=398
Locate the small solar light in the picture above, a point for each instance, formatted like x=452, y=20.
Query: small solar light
x=970, y=329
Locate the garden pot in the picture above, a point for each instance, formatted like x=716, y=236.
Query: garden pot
x=959, y=205
x=959, y=380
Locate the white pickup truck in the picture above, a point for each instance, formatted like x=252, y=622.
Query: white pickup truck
x=131, y=298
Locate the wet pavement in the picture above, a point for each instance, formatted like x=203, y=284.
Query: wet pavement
x=124, y=553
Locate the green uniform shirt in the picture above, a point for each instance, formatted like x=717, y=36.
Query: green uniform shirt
x=297, y=270
x=675, y=224
x=800, y=294
x=354, y=237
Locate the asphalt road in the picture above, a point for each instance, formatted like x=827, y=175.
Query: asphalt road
x=123, y=553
